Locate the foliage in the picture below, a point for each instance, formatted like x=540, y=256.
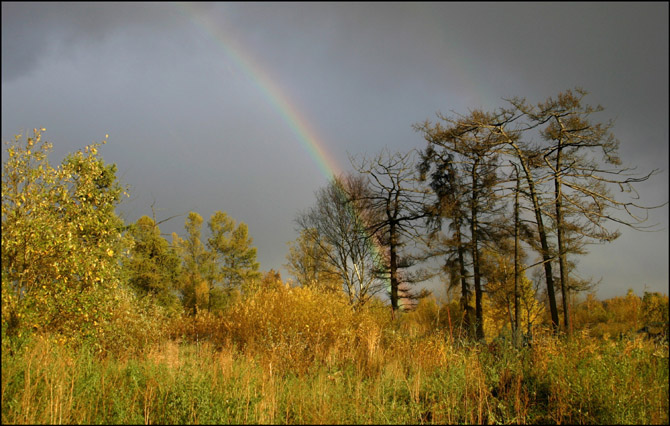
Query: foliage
x=498, y=268
x=655, y=308
x=568, y=183
x=393, y=378
x=212, y=272
x=462, y=161
x=337, y=225
x=623, y=316
x=61, y=239
x=309, y=265
x=270, y=280
x=152, y=266
x=292, y=326
x=231, y=248
x=198, y=268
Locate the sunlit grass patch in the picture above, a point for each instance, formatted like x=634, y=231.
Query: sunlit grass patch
x=365, y=371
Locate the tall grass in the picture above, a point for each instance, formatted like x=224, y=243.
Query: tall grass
x=260, y=364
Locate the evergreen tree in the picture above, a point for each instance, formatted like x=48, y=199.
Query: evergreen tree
x=153, y=267
x=231, y=247
x=197, y=266
x=473, y=152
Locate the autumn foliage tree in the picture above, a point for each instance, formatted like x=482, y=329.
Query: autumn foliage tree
x=153, y=266
x=196, y=263
x=308, y=263
x=582, y=160
x=568, y=181
x=61, y=238
x=211, y=271
x=233, y=253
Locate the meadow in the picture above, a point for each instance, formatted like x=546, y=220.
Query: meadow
x=296, y=356
x=106, y=322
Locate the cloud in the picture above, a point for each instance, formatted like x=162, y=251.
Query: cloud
x=191, y=127
x=34, y=33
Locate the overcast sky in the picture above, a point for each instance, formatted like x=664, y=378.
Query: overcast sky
x=204, y=103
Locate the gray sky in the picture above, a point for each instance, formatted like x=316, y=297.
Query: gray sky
x=195, y=97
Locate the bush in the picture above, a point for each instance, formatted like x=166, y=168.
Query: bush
x=293, y=327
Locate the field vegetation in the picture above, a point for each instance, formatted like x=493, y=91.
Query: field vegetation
x=109, y=322
x=295, y=356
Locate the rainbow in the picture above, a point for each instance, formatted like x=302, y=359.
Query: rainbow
x=314, y=146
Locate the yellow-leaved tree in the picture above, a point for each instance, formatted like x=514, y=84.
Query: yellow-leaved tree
x=61, y=239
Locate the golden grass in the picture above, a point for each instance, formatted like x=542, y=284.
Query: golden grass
x=296, y=357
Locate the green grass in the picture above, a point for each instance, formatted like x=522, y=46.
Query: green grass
x=401, y=380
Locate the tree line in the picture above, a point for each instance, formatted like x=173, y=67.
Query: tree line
x=490, y=190
x=490, y=196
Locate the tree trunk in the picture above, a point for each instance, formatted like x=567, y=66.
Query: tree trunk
x=546, y=257
x=393, y=269
x=465, y=291
x=517, y=313
x=562, y=261
x=479, y=314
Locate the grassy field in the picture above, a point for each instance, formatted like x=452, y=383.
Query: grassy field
x=352, y=370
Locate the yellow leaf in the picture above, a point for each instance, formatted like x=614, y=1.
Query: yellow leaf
x=110, y=252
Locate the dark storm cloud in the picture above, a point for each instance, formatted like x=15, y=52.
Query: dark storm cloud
x=192, y=130
x=32, y=33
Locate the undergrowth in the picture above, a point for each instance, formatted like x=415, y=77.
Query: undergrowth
x=293, y=356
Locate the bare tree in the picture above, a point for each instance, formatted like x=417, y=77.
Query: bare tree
x=526, y=157
x=397, y=199
x=338, y=226
x=582, y=199
x=567, y=186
